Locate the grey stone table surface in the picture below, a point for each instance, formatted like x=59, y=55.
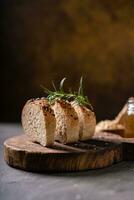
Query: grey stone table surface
x=112, y=183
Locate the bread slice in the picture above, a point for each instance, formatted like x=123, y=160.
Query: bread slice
x=87, y=121
x=67, y=123
x=38, y=121
x=110, y=126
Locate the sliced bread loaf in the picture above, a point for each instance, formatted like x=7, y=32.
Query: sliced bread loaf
x=38, y=121
x=87, y=121
x=67, y=123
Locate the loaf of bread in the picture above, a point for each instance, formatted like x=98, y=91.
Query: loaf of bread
x=60, y=120
x=39, y=122
x=67, y=123
x=87, y=121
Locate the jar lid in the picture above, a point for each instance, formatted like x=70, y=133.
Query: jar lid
x=131, y=100
x=130, y=109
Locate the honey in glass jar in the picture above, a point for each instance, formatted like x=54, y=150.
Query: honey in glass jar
x=129, y=119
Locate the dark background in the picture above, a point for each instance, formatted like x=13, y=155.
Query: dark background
x=44, y=40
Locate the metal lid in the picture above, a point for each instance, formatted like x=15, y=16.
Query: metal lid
x=130, y=110
x=131, y=100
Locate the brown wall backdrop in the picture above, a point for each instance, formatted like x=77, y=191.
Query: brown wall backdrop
x=44, y=40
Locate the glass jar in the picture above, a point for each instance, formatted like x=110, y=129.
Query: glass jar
x=129, y=119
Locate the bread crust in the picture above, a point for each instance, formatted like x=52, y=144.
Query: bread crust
x=38, y=121
x=67, y=123
x=110, y=126
x=87, y=121
x=62, y=121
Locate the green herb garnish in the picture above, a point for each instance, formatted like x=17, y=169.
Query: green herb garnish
x=71, y=96
x=56, y=94
x=80, y=97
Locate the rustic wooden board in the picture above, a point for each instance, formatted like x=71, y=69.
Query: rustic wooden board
x=127, y=143
x=21, y=153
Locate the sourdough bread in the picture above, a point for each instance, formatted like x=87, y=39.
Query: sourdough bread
x=87, y=121
x=38, y=121
x=67, y=123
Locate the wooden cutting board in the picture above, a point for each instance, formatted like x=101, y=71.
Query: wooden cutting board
x=127, y=143
x=20, y=152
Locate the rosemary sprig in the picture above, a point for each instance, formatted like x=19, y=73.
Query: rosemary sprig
x=54, y=86
x=62, y=95
x=80, y=98
x=80, y=90
x=62, y=84
x=56, y=94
